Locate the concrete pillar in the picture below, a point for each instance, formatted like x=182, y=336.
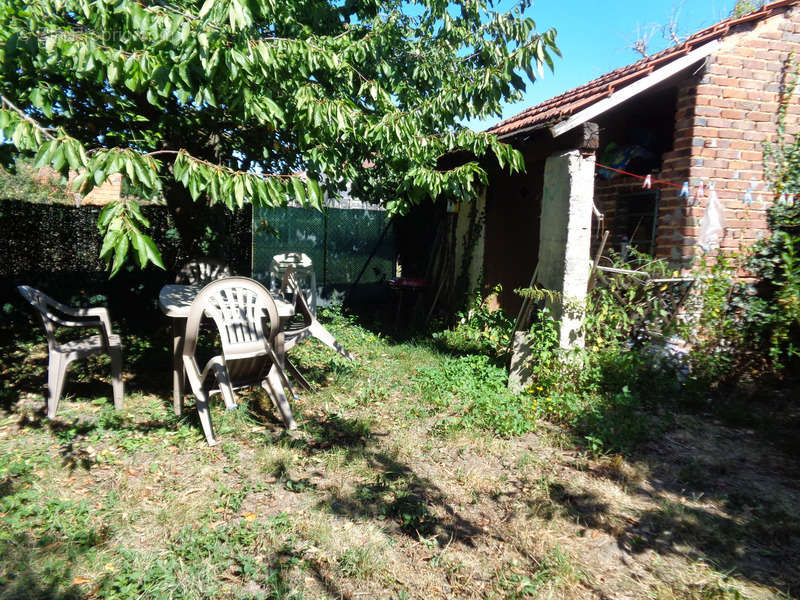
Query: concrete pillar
x=565, y=239
x=471, y=241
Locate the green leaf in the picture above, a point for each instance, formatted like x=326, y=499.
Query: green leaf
x=120, y=254
x=138, y=245
x=110, y=241
x=153, y=255
x=238, y=191
x=207, y=6
x=315, y=194
x=299, y=191
x=104, y=218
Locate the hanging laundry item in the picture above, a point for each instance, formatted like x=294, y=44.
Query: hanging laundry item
x=648, y=182
x=685, y=190
x=782, y=199
x=712, y=225
x=790, y=200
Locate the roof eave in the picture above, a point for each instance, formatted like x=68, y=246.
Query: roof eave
x=637, y=87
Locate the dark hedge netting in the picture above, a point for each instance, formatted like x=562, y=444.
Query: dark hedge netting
x=55, y=247
x=339, y=242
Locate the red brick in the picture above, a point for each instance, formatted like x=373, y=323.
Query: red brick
x=742, y=145
x=753, y=135
x=732, y=92
x=752, y=156
x=706, y=132
x=744, y=125
x=731, y=134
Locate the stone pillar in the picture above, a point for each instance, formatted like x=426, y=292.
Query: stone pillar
x=565, y=239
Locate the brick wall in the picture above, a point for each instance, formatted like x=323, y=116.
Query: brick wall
x=723, y=117
x=110, y=190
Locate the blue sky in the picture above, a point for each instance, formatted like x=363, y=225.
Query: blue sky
x=595, y=37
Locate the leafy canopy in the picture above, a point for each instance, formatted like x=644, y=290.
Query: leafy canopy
x=261, y=101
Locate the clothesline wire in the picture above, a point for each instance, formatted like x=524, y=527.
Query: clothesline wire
x=662, y=182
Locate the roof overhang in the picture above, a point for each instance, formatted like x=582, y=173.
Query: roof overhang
x=634, y=89
x=624, y=94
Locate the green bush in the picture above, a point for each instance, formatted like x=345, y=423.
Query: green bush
x=600, y=393
x=775, y=312
x=479, y=329
x=19, y=182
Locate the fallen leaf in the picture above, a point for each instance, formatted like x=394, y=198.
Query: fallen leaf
x=80, y=580
x=249, y=517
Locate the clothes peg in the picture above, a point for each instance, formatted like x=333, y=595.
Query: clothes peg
x=790, y=200
x=748, y=197
x=648, y=182
x=700, y=191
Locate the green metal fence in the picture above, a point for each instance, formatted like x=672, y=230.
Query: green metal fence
x=339, y=241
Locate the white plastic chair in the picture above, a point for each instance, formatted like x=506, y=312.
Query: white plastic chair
x=304, y=273
x=249, y=328
x=304, y=324
x=201, y=271
x=61, y=354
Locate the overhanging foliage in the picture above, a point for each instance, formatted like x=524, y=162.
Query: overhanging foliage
x=259, y=101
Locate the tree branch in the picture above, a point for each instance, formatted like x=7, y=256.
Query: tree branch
x=28, y=118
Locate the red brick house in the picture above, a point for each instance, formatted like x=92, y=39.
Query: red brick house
x=697, y=112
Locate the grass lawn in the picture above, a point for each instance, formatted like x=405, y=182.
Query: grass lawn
x=395, y=486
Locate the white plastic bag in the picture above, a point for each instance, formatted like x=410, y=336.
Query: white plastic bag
x=712, y=225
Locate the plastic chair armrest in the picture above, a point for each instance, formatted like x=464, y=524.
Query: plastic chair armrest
x=101, y=313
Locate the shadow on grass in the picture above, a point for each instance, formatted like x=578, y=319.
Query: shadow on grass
x=147, y=365
x=395, y=494
x=746, y=532
x=19, y=580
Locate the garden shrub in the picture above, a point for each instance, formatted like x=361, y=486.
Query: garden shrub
x=479, y=329
x=776, y=259
x=600, y=392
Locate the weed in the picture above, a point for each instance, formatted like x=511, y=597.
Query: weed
x=472, y=391
x=552, y=573
x=361, y=562
x=479, y=330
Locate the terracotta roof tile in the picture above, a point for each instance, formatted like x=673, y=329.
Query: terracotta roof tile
x=568, y=103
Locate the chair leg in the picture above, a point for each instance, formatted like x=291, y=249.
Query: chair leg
x=225, y=386
x=298, y=375
x=275, y=385
x=56, y=373
x=201, y=400
x=116, y=377
x=323, y=335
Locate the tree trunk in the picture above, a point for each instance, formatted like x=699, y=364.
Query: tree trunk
x=197, y=223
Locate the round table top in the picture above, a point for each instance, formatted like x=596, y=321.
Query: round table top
x=175, y=301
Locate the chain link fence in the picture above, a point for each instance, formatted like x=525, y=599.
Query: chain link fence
x=340, y=240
